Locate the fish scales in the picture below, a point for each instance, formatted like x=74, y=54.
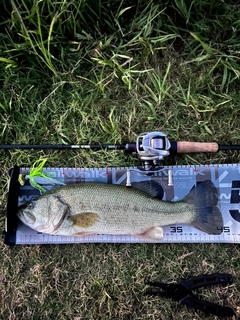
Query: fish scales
x=95, y=208
x=129, y=211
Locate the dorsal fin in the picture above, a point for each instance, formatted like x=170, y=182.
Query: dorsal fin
x=150, y=187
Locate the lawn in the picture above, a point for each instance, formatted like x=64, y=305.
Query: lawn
x=92, y=72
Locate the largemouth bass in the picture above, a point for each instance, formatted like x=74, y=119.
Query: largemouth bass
x=96, y=208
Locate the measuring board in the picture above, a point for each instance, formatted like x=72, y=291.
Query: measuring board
x=225, y=177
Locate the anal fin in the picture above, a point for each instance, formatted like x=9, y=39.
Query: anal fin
x=83, y=234
x=154, y=233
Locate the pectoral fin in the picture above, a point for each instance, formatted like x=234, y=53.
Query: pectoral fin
x=84, y=220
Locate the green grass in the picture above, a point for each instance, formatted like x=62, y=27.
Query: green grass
x=104, y=72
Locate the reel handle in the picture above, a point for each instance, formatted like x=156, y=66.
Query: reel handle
x=192, y=147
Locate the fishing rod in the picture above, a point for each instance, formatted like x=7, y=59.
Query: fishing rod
x=151, y=148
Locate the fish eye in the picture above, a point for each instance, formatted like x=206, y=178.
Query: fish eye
x=30, y=206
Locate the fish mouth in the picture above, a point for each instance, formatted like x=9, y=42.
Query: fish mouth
x=21, y=209
x=26, y=217
x=20, y=214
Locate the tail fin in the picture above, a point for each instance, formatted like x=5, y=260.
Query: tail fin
x=207, y=217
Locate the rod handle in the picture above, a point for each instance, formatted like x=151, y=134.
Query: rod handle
x=191, y=147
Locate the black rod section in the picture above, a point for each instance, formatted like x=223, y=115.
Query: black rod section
x=229, y=147
x=62, y=146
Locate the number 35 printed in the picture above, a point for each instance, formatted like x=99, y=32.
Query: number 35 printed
x=176, y=229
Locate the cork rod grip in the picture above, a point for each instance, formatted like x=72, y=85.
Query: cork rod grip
x=190, y=147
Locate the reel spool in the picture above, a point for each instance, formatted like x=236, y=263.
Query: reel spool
x=152, y=148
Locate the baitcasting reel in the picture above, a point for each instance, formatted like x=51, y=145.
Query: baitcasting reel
x=152, y=147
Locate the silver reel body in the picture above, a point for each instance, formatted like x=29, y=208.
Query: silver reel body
x=152, y=147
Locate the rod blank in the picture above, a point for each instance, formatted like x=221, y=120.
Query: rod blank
x=176, y=147
x=61, y=147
